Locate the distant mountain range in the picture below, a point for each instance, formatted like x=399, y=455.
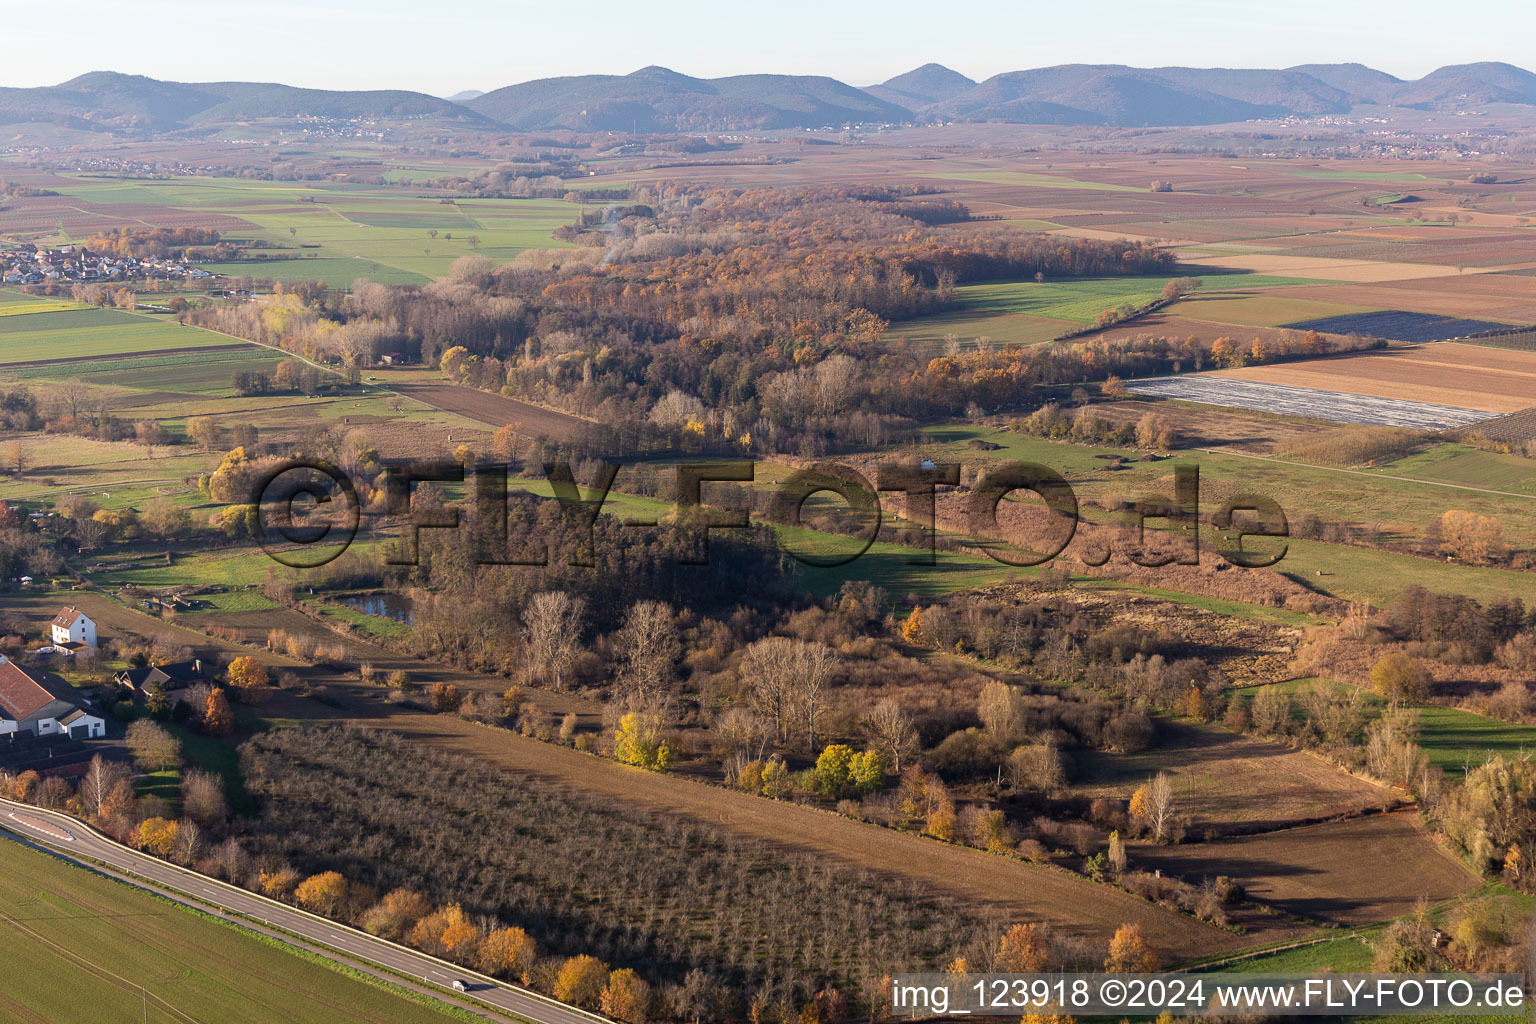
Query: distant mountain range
x=111, y=100
x=655, y=99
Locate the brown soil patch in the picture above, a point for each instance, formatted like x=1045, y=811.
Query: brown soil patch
x=1229, y=782
x=497, y=411
x=1324, y=268
x=1354, y=872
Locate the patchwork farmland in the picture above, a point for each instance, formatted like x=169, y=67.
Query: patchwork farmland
x=1029, y=704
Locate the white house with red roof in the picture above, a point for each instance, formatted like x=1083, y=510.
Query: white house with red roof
x=42, y=703
x=71, y=626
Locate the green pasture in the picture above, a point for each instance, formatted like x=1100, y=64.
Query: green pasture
x=1463, y=464
x=193, y=373
x=13, y=304
x=84, y=948
x=334, y=271
x=75, y=333
x=1456, y=740
x=1031, y=312
x=1386, y=177
x=238, y=567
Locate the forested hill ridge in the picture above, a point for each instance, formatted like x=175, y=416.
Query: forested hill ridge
x=656, y=99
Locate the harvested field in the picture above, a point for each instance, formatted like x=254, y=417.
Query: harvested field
x=1352, y=872
x=1029, y=892
x=1399, y=325
x=1484, y=249
x=1267, y=310
x=1229, y=782
x=1419, y=297
x=1327, y=269
x=1465, y=377
x=1339, y=406
x=497, y=411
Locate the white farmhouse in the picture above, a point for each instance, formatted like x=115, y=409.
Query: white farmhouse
x=71, y=626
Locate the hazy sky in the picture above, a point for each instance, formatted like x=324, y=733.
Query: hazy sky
x=442, y=48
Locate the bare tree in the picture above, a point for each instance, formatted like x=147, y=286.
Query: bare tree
x=1037, y=766
x=202, y=798
x=99, y=779
x=152, y=746
x=552, y=625
x=1001, y=711
x=813, y=672
x=90, y=533
x=16, y=457
x=650, y=646
x=833, y=381
x=788, y=680
x=1160, y=806
x=189, y=843
x=890, y=731
x=72, y=396
x=741, y=737
x=766, y=667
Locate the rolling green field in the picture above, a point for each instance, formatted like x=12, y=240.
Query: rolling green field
x=1456, y=740
x=1030, y=312
x=195, y=372
x=17, y=304
x=1462, y=464
x=335, y=271
x=341, y=232
x=1389, y=177
x=89, y=950
x=74, y=333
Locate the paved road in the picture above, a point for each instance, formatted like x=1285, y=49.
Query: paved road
x=77, y=841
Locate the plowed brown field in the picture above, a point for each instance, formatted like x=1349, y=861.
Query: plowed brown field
x=496, y=410
x=1356, y=872
x=1231, y=782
